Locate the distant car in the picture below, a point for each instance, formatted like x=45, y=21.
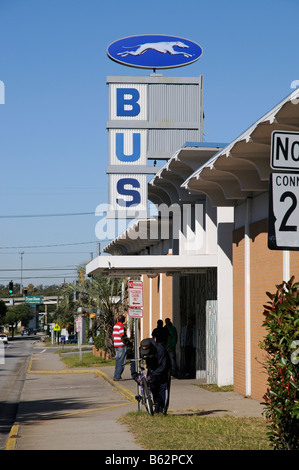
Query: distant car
x=25, y=331
x=3, y=338
x=72, y=339
x=28, y=331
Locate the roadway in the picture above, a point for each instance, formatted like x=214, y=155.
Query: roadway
x=13, y=368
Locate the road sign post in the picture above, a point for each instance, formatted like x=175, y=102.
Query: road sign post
x=135, y=297
x=56, y=330
x=283, y=220
x=79, y=327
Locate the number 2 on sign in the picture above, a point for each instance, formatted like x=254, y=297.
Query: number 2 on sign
x=283, y=226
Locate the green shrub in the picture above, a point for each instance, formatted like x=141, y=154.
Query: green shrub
x=282, y=396
x=99, y=341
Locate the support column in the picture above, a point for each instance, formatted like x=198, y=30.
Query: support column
x=225, y=218
x=247, y=300
x=286, y=266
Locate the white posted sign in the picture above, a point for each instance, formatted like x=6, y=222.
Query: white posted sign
x=135, y=293
x=135, y=312
x=283, y=230
x=285, y=151
x=78, y=323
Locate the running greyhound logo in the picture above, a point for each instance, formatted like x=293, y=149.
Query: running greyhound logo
x=162, y=47
x=154, y=51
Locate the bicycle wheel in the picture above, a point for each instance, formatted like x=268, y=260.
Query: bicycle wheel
x=148, y=402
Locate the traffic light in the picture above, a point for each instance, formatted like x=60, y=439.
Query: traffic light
x=10, y=287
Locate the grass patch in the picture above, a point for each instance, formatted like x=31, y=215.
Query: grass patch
x=194, y=432
x=215, y=388
x=88, y=360
x=65, y=350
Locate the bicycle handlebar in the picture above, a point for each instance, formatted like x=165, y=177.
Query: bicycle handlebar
x=139, y=359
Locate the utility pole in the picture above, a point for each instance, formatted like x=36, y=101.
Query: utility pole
x=21, y=283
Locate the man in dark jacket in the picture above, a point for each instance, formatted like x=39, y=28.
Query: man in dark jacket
x=171, y=344
x=158, y=372
x=160, y=334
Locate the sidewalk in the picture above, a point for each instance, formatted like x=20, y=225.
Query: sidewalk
x=66, y=409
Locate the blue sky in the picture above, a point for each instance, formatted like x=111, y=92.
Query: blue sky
x=53, y=137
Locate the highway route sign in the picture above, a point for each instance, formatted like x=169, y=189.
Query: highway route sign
x=33, y=299
x=285, y=151
x=283, y=227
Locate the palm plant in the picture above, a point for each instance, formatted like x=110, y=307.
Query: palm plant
x=106, y=296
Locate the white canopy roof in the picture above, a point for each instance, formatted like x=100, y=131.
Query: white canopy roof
x=225, y=173
x=243, y=167
x=119, y=266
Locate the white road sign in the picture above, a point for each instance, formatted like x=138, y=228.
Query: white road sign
x=135, y=293
x=135, y=312
x=285, y=151
x=78, y=323
x=283, y=229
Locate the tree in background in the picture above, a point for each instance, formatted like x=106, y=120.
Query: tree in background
x=21, y=313
x=3, y=310
x=98, y=294
x=66, y=308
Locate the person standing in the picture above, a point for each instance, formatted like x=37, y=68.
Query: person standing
x=119, y=336
x=160, y=334
x=188, y=345
x=171, y=345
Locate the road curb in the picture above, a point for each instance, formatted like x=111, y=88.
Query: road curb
x=12, y=438
x=123, y=390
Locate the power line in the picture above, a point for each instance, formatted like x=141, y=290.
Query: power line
x=25, y=216
x=39, y=269
x=46, y=246
x=51, y=253
x=61, y=276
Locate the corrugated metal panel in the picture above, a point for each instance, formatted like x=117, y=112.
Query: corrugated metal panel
x=142, y=102
x=167, y=141
x=174, y=103
x=128, y=146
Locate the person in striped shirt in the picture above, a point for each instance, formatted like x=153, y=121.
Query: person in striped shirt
x=119, y=336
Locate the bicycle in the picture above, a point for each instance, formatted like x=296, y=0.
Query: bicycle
x=145, y=396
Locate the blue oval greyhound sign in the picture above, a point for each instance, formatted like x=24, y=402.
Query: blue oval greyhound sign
x=154, y=51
